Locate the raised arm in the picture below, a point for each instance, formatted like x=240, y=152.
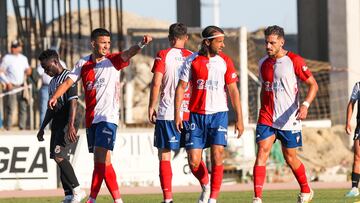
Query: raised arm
x=60, y=91
x=132, y=51
x=154, y=95
x=179, y=96
x=235, y=101
x=312, y=90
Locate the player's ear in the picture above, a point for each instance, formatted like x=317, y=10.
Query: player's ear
x=93, y=44
x=207, y=42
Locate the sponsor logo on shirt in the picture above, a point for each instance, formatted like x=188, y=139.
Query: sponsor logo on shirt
x=98, y=84
x=179, y=58
x=207, y=84
x=304, y=68
x=275, y=86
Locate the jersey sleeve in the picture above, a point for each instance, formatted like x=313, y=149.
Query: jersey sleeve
x=75, y=73
x=159, y=63
x=355, y=92
x=185, y=69
x=71, y=93
x=117, y=61
x=301, y=70
x=230, y=74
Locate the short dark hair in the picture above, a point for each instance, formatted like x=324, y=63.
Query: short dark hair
x=274, y=30
x=177, y=30
x=208, y=32
x=48, y=54
x=99, y=32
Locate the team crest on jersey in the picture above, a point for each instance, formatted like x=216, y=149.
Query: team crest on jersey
x=57, y=149
x=233, y=75
x=304, y=68
x=267, y=86
x=89, y=85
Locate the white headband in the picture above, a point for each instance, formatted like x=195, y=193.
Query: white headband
x=212, y=37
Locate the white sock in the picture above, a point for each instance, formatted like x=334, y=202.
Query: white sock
x=212, y=200
x=168, y=200
x=118, y=201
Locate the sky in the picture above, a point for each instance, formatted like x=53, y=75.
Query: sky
x=253, y=14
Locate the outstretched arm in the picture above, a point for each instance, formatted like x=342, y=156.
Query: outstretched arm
x=179, y=96
x=154, y=94
x=235, y=101
x=313, y=88
x=132, y=51
x=60, y=91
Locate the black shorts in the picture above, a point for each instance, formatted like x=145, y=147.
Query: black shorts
x=357, y=133
x=60, y=146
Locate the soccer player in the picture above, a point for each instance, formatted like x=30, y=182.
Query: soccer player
x=63, y=126
x=280, y=113
x=211, y=73
x=100, y=75
x=166, y=75
x=355, y=175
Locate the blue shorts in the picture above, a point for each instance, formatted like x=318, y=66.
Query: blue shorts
x=101, y=134
x=288, y=138
x=206, y=130
x=167, y=137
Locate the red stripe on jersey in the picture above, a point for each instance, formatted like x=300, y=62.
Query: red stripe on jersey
x=117, y=61
x=199, y=74
x=267, y=96
x=88, y=78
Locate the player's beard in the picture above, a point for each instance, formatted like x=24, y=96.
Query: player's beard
x=273, y=53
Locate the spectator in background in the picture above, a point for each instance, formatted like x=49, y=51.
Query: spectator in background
x=44, y=89
x=16, y=70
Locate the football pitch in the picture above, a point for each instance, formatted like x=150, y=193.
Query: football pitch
x=271, y=196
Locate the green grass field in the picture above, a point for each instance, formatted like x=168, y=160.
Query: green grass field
x=270, y=196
